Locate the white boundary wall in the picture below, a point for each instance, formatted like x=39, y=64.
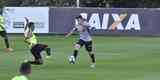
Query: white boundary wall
x=14, y=18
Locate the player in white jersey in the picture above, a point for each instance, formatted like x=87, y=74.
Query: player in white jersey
x=85, y=39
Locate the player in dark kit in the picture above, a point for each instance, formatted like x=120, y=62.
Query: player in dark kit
x=35, y=47
x=3, y=33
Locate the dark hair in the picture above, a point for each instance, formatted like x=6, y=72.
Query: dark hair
x=31, y=25
x=25, y=68
x=79, y=17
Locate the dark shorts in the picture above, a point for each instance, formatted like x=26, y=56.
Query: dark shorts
x=87, y=44
x=37, y=49
x=3, y=34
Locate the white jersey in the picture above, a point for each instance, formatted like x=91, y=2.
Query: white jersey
x=83, y=30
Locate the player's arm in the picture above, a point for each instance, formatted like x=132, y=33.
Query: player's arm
x=27, y=21
x=86, y=24
x=28, y=42
x=1, y=25
x=70, y=33
x=27, y=33
x=27, y=38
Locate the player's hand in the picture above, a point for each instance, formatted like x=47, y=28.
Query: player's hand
x=27, y=20
x=70, y=33
x=66, y=36
x=25, y=39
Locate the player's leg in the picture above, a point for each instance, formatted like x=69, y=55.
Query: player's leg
x=48, y=51
x=89, y=48
x=37, y=59
x=77, y=46
x=44, y=47
x=6, y=41
x=37, y=56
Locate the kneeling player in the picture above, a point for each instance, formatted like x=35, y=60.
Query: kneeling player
x=35, y=48
x=36, y=52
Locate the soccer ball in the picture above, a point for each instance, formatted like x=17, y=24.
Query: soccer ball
x=71, y=60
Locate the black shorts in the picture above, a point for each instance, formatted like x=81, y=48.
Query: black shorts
x=3, y=34
x=37, y=49
x=88, y=44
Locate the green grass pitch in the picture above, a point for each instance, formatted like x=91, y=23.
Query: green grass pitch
x=118, y=58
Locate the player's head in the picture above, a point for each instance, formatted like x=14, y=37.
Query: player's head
x=25, y=68
x=31, y=25
x=79, y=19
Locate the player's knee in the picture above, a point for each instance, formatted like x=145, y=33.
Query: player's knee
x=77, y=46
x=5, y=37
x=90, y=53
x=89, y=49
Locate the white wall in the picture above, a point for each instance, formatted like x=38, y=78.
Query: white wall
x=14, y=18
